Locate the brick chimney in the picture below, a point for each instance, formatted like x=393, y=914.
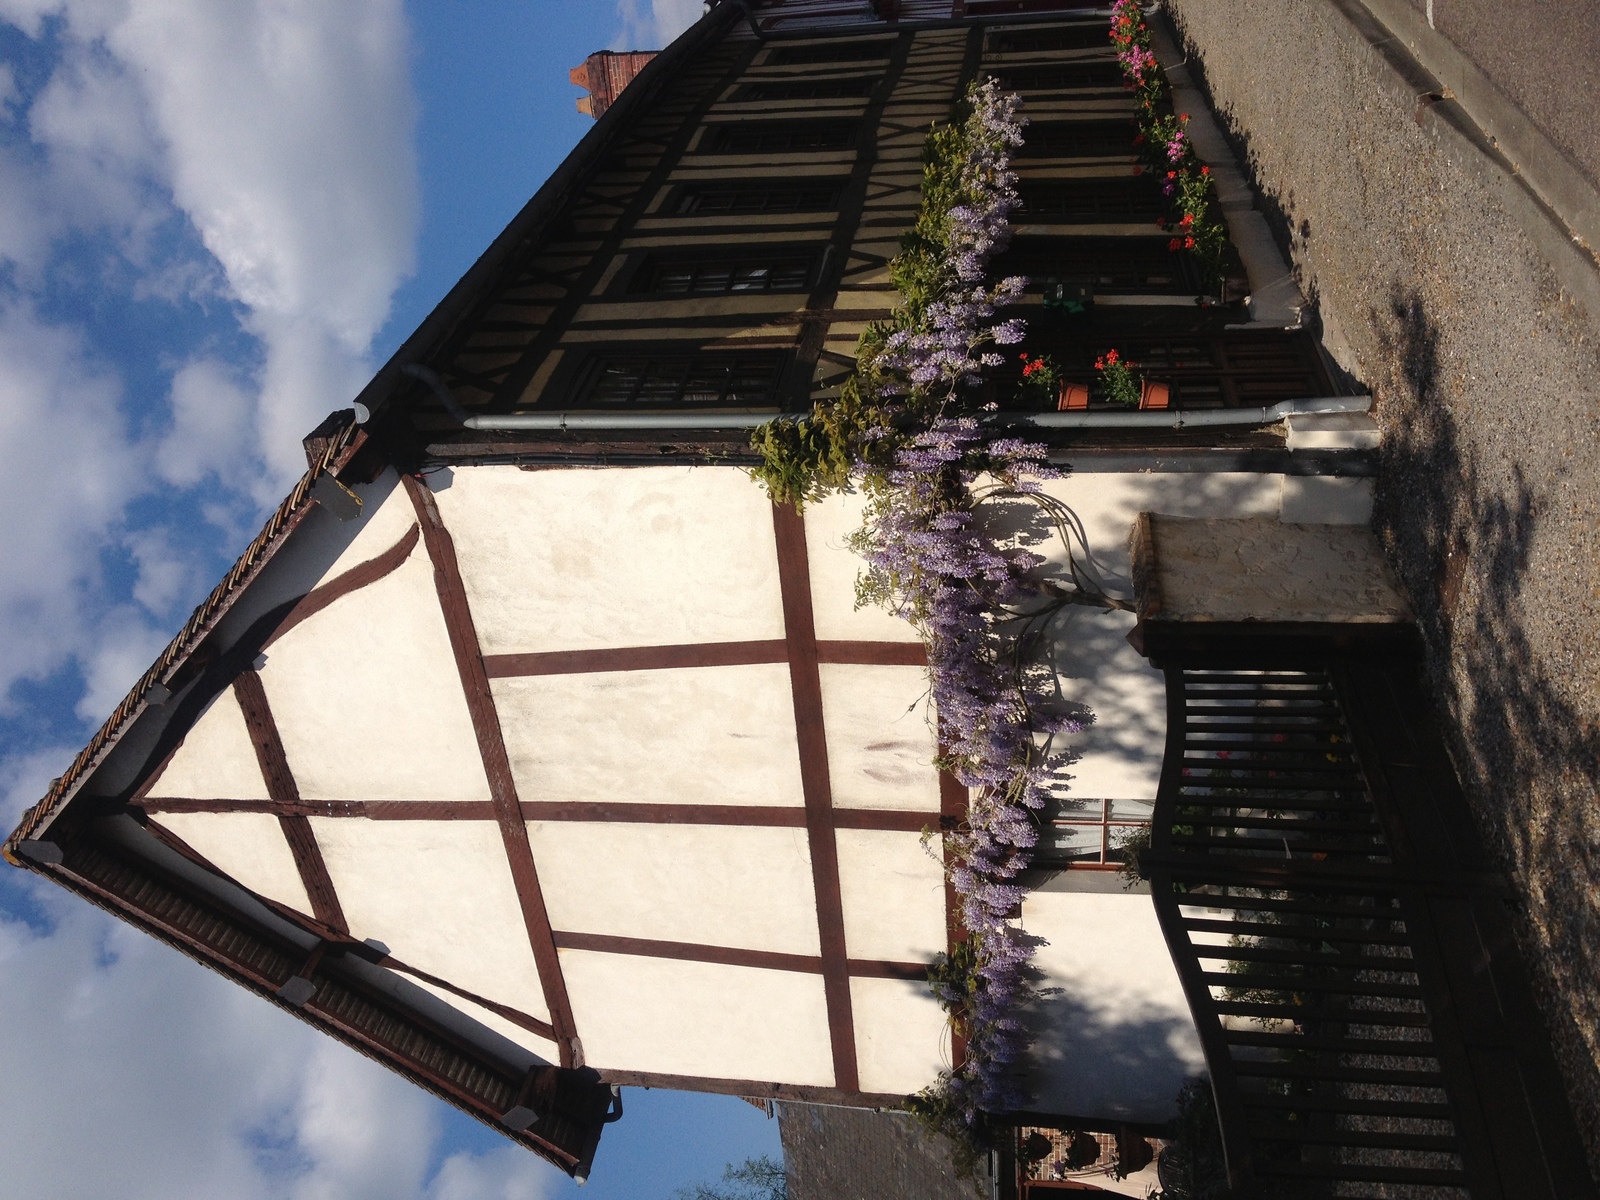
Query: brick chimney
x=604, y=74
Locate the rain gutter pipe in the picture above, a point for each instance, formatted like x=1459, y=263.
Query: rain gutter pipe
x=1150, y=419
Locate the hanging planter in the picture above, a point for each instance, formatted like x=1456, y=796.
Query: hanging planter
x=1154, y=395
x=1074, y=397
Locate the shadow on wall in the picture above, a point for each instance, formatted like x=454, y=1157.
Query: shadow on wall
x=1108, y=1061
x=1461, y=540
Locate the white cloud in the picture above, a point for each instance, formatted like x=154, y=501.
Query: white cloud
x=164, y=572
x=281, y=130
x=653, y=29
x=72, y=467
x=134, y=1073
x=211, y=418
x=120, y=648
x=504, y=1174
x=288, y=128
x=24, y=779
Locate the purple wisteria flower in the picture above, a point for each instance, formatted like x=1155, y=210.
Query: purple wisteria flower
x=931, y=559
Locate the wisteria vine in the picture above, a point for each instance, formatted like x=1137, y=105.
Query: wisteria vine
x=908, y=431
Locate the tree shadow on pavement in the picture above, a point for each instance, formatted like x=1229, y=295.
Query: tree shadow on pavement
x=1527, y=757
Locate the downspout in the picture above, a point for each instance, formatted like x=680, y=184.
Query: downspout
x=1150, y=419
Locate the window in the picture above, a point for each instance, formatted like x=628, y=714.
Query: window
x=707, y=380
x=843, y=50
x=1040, y=41
x=809, y=89
x=1108, y=264
x=1120, y=199
x=770, y=137
x=1061, y=76
x=765, y=196
x=1088, y=833
x=713, y=273
x=1078, y=139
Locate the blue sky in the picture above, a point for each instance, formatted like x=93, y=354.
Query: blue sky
x=215, y=221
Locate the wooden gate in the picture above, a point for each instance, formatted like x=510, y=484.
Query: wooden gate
x=1344, y=945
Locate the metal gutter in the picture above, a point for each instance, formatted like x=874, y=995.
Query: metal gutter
x=1152, y=419
x=1181, y=419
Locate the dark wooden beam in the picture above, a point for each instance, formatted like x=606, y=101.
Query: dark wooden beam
x=953, y=811
x=699, y=654
x=734, y=956
x=356, y=578
x=805, y=682
x=620, y=812
x=282, y=788
x=515, y=1015
x=496, y=764
x=634, y=658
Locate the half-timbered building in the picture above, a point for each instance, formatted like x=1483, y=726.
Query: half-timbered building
x=532, y=750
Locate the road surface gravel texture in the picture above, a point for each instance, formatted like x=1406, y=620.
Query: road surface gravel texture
x=1486, y=380
x=1543, y=54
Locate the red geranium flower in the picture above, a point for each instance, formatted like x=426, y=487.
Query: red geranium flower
x=1175, y=244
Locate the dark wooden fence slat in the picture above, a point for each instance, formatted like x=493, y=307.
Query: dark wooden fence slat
x=1311, y=814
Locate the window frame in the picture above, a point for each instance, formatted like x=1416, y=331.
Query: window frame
x=1105, y=823
x=808, y=87
x=587, y=380
x=644, y=280
x=685, y=192
x=719, y=134
x=839, y=50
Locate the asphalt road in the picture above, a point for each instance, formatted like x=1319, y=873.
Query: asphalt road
x=1437, y=293
x=1544, y=54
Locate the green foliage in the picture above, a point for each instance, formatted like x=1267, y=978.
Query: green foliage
x=1041, y=381
x=760, y=1178
x=1118, y=382
x=806, y=460
x=955, y=982
x=1131, y=841
x=1193, y=1166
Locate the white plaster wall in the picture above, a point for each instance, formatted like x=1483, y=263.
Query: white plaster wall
x=834, y=569
x=368, y=700
x=720, y=885
x=384, y=520
x=702, y=1019
x=216, y=759
x=881, y=744
x=893, y=894
x=700, y=735
x=249, y=847
x=439, y=895
x=1120, y=753
x=1117, y=1041
x=902, y=1036
x=578, y=559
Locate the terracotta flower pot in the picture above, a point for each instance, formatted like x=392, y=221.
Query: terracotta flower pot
x=1154, y=395
x=1073, y=397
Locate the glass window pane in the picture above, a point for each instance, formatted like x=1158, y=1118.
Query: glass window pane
x=1132, y=810
x=1069, y=843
